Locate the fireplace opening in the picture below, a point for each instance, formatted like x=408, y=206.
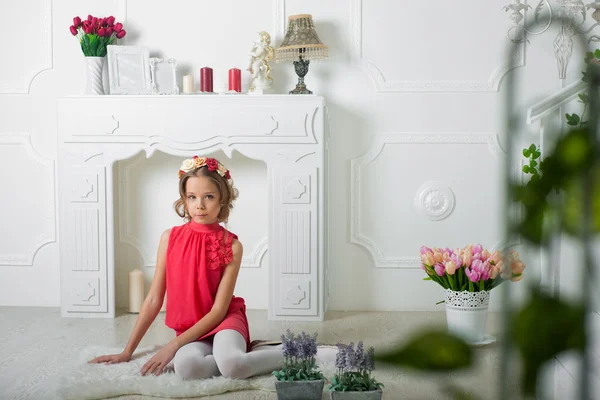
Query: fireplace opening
x=144, y=191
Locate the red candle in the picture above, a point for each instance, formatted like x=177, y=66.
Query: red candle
x=235, y=79
x=206, y=79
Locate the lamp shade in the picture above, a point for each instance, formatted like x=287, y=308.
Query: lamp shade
x=301, y=41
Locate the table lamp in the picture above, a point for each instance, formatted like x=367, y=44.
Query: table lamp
x=301, y=44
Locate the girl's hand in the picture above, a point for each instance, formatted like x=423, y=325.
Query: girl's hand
x=111, y=359
x=160, y=360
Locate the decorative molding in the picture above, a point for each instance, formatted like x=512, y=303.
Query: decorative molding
x=280, y=19
x=254, y=260
x=381, y=84
x=24, y=86
x=434, y=200
x=382, y=140
x=85, y=187
x=295, y=155
x=87, y=293
x=295, y=254
x=41, y=238
x=87, y=244
x=295, y=294
x=296, y=189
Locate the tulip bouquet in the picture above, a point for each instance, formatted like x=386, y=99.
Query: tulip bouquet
x=472, y=268
x=95, y=34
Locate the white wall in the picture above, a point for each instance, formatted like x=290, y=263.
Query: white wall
x=401, y=74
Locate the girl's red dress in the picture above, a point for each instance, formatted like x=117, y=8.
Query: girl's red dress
x=196, y=258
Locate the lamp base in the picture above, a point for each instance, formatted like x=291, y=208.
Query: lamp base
x=301, y=67
x=300, y=89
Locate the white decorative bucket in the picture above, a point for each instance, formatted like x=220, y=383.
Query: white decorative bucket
x=466, y=314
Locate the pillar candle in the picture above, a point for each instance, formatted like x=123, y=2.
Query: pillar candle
x=188, y=84
x=136, y=290
x=206, y=79
x=235, y=79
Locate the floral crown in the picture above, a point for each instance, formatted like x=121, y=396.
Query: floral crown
x=197, y=162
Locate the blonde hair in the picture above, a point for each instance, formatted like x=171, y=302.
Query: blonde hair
x=227, y=193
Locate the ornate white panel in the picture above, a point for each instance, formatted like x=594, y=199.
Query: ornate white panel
x=455, y=50
x=296, y=189
x=87, y=292
x=434, y=200
x=32, y=210
x=86, y=239
x=295, y=254
x=296, y=294
x=21, y=64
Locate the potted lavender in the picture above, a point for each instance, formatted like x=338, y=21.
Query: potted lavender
x=300, y=378
x=353, y=380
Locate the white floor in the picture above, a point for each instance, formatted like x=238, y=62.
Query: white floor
x=35, y=343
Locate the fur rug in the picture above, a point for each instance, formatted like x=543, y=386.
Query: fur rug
x=98, y=381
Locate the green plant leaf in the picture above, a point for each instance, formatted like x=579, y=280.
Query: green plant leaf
x=583, y=98
x=526, y=153
x=545, y=327
x=532, y=148
x=533, y=163
x=597, y=54
x=572, y=119
x=431, y=351
x=526, y=169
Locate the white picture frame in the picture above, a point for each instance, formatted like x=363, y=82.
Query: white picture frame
x=129, y=70
x=163, y=74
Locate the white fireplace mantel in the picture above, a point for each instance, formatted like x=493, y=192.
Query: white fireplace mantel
x=287, y=132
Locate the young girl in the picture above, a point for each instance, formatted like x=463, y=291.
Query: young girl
x=198, y=265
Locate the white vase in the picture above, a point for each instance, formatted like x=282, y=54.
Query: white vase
x=466, y=314
x=96, y=72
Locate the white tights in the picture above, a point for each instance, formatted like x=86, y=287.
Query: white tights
x=227, y=356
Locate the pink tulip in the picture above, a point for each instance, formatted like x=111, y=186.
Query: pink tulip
x=424, y=249
x=110, y=20
x=439, y=269
x=437, y=256
x=118, y=27
x=493, y=272
x=467, y=258
x=73, y=30
x=472, y=275
x=450, y=268
x=457, y=260
x=477, y=248
x=121, y=34
x=94, y=21
x=101, y=32
x=108, y=31
x=76, y=22
x=495, y=257
x=485, y=254
x=90, y=18
x=485, y=272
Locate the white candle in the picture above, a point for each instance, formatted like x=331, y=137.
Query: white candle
x=136, y=290
x=188, y=84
